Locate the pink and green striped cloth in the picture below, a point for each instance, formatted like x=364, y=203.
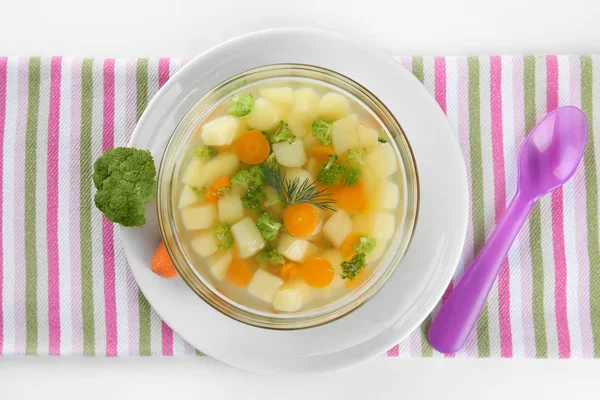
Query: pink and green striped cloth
x=66, y=289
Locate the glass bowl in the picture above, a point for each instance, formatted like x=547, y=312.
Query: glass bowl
x=406, y=216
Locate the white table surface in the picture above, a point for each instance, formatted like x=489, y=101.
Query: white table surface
x=183, y=28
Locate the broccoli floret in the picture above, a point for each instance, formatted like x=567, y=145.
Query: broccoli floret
x=352, y=267
x=352, y=175
x=321, y=129
x=270, y=255
x=331, y=173
x=356, y=155
x=282, y=134
x=268, y=227
x=241, y=106
x=253, y=196
x=205, y=151
x=381, y=138
x=224, y=236
x=125, y=179
x=365, y=245
x=246, y=178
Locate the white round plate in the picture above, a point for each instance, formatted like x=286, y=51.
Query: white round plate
x=423, y=274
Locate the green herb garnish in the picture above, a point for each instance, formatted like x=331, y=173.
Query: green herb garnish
x=253, y=197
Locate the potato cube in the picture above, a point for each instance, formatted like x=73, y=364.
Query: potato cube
x=388, y=195
x=312, y=166
x=291, y=296
x=248, y=238
x=295, y=249
x=187, y=197
x=221, y=131
x=334, y=106
x=362, y=223
x=306, y=104
x=205, y=243
x=383, y=226
x=310, y=141
x=298, y=173
x=264, y=115
x=218, y=263
x=200, y=217
x=344, y=134
x=367, y=136
x=290, y=154
x=337, y=228
x=378, y=251
x=231, y=209
x=382, y=161
x=264, y=285
x=192, y=175
x=282, y=95
x=298, y=126
x=225, y=164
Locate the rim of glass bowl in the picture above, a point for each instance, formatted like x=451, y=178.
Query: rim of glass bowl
x=169, y=168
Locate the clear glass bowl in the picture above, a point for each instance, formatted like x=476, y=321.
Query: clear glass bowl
x=407, y=179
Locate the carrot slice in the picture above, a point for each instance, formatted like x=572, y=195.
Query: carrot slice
x=357, y=279
x=301, y=219
x=349, y=197
x=289, y=270
x=161, y=263
x=212, y=195
x=322, y=153
x=252, y=147
x=238, y=273
x=317, y=272
x=347, y=246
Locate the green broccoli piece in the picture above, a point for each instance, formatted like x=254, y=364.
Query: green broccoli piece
x=352, y=175
x=253, y=197
x=365, y=245
x=205, y=151
x=125, y=179
x=200, y=193
x=246, y=178
x=352, y=267
x=268, y=227
x=241, y=106
x=356, y=155
x=321, y=129
x=331, y=173
x=282, y=134
x=270, y=255
x=224, y=236
x=382, y=139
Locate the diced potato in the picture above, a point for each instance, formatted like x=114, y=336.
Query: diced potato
x=306, y=104
x=221, y=131
x=272, y=202
x=344, y=134
x=187, y=197
x=362, y=223
x=264, y=115
x=264, y=285
x=292, y=173
x=388, y=195
x=378, y=251
x=225, y=164
x=338, y=227
x=295, y=249
x=192, y=175
x=370, y=180
x=218, y=263
x=312, y=166
x=291, y=296
x=248, y=238
x=382, y=160
x=298, y=126
x=310, y=141
x=282, y=95
x=205, y=243
x=200, y=217
x=367, y=136
x=231, y=209
x=290, y=154
x=335, y=258
x=334, y=106
x=383, y=226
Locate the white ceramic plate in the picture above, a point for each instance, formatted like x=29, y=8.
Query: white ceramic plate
x=423, y=274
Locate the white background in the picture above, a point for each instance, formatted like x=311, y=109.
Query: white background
x=172, y=28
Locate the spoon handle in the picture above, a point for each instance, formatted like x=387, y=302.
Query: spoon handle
x=458, y=315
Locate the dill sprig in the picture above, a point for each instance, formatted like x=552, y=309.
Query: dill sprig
x=297, y=191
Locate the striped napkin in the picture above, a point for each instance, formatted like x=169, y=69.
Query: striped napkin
x=65, y=287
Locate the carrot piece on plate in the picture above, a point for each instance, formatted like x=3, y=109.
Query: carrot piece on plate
x=161, y=263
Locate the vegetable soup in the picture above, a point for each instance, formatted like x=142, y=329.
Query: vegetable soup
x=288, y=196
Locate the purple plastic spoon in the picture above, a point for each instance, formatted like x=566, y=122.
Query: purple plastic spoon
x=548, y=158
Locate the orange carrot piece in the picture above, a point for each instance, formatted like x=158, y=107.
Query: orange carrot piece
x=359, y=278
x=252, y=147
x=322, y=153
x=161, y=263
x=212, y=195
x=349, y=197
x=317, y=272
x=301, y=219
x=238, y=273
x=347, y=246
